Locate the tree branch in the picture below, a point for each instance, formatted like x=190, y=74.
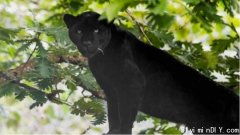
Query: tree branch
x=30, y=56
x=73, y=59
x=13, y=75
x=139, y=26
x=15, y=81
x=50, y=96
x=98, y=94
x=31, y=64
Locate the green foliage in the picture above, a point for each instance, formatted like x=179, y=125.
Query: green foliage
x=7, y=34
x=90, y=106
x=141, y=117
x=14, y=120
x=221, y=45
x=192, y=2
x=8, y=89
x=163, y=127
x=114, y=7
x=177, y=26
x=20, y=95
x=60, y=34
x=88, y=80
x=231, y=4
x=171, y=130
x=160, y=21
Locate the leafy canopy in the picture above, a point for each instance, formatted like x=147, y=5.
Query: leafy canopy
x=36, y=53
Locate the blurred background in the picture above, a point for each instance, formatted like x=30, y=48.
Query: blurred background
x=46, y=86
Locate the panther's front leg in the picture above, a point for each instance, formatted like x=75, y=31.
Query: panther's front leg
x=113, y=116
x=129, y=95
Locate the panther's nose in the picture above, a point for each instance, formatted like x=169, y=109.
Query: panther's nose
x=87, y=43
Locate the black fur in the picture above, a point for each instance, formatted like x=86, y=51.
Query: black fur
x=139, y=77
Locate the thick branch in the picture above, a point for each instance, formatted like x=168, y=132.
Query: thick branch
x=31, y=64
x=18, y=72
x=73, y=59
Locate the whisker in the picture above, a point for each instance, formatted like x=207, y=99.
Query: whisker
x=99, y=49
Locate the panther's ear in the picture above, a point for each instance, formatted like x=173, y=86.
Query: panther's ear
x=69, y=20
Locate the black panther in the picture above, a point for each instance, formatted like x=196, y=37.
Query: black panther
x=139, y=77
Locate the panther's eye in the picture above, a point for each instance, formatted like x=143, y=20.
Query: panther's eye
x=79, y=31
x=96, y=31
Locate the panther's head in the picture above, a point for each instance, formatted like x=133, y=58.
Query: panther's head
x=88, y=33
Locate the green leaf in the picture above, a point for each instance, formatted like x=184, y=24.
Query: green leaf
x=36, y=104
x=21, y=94
x=205, y=13
x=172, y=130
x=88, y=80
x=6, y=34
x=232, y=63
x=41, y=50
x=76, y=4
x=157, y=42
x=45, y=83
x=6, y=65
x=100, y=118
x=71, y=85
x=229, y=5
x=8, y=89
x=160, y=8
x=114, y=7
x=44, y=67
x=207, y=60
x=212, y=59
x=25, y=45
x=141, y=117
x=221, y=45
x=60, y=34
x=194, y=2
x=160, y=21
x=38, y=96
x=160, y=38
x=93, y=107
x=44, y=70
x=12, y=51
